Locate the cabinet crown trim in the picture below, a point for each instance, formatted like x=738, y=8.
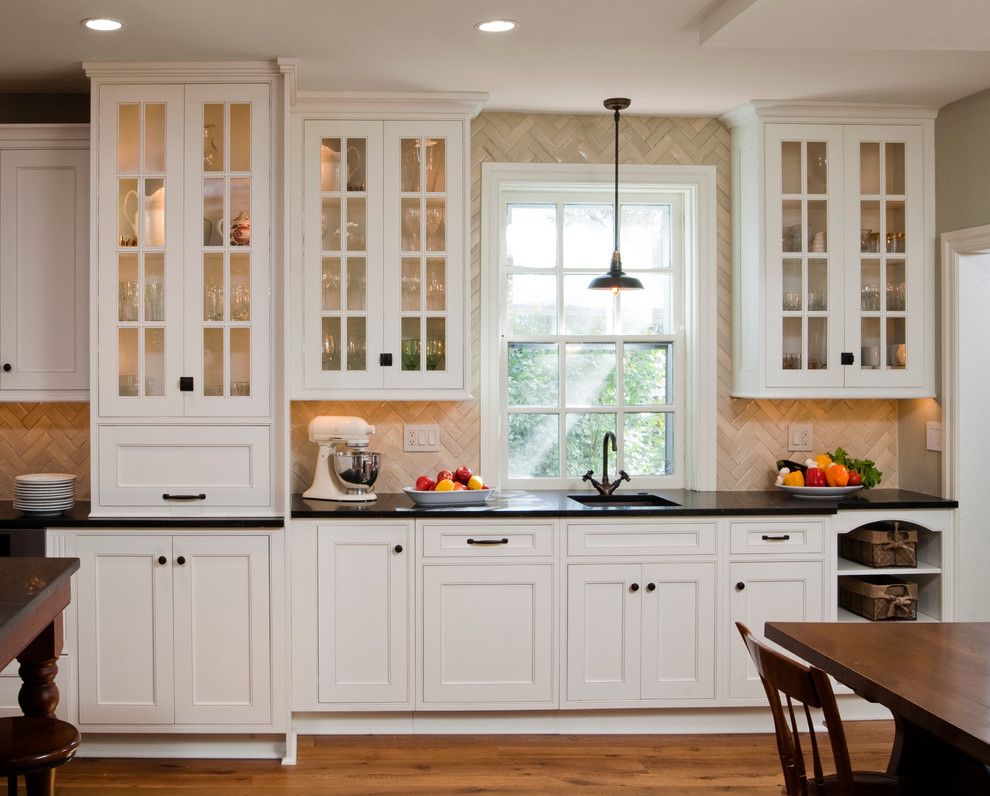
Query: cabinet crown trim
x=772, y=110
x=389, y=105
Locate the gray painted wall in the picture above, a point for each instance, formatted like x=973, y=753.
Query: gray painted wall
x=43, y=108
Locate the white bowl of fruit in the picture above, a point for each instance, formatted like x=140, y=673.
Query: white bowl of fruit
x=458, y=488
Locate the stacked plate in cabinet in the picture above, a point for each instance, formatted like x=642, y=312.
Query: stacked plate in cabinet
x=44, y=493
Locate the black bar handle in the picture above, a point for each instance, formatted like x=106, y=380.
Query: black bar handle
x=782, y=537
x=167, y=496
x=503, y=540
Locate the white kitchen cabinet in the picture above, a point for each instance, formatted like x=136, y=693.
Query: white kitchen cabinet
x=174, y=629
x=833, y=223
x=44, y=262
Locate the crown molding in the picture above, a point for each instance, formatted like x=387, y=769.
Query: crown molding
x=181, y=71
x=775, y=110
x=33, y=133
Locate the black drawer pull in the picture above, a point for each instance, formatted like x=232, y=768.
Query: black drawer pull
x=503, y=540
x=181, y=560
x=634, y=587
x=651, y=587
x=398, y=548
x=740, y=586
x=162, y=560
x=7, y=367
x=783, y=537
x=167, y=496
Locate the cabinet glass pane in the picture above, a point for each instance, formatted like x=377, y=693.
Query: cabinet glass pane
x=410, y=284
x=791, y=226
x=534, y=378
x=896, y=344
x=644, y=369
x=790, y=167
x=154, y=286
x=869, y=223
x=792, y=342
x=645, y=445
x=436, y=284
x=586, y=311
x=214, y=136
x=357, y=224
x=584, y=440
x=531, y=236
x=154, y=362
x=213, y=361
x=154, y=137
x=214, y=225
x=128, y=138
x=127, y=287
x=534, y=446
x=331, y=284
x=357, y=344
x=409, y=176
x=588, y=236
x=240, y=210
x=646, y=311
x=127, y=361
x=411, y=345
x=869, y=290
x=331, y=343
x=213, y=287
x=240, y=286
x=436, y=225
x=590, y=374
x=240, y=136
x=817, y=300
x=896, y=233
x=817, y=226
x=791, y=285
x=645, y=236
x=330, y=223
x=870, y=343
x=436, y=164
x=817, y=343
x=240, y=361
x=896, y=286
x=817, y=167
x=894, y=167
x=357, y=287
x=532, y=304
x=436, y=343
x=869, y=168
x=410, y=211
x=356, y=164
x=154, y=212
x=128, y=202
x=330, y=164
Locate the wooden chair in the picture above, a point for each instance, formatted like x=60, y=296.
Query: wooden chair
x=33, y=747
x=811, y=687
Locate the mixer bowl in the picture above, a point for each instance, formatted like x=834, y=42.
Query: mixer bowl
x=356, y=471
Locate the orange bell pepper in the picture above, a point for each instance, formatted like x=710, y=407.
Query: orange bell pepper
x=837, y=475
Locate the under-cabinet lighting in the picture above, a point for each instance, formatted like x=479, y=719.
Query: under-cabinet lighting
x=103, y=23
x=496, y=25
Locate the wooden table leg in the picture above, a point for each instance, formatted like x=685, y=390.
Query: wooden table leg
x=930, y=765
x=38, y=666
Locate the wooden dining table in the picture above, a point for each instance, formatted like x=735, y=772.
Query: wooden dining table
x=933, y=677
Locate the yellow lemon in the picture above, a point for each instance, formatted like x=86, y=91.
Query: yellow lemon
x=444, y=486
x=475, y=482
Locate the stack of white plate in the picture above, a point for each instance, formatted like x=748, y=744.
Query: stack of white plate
x=44, y=493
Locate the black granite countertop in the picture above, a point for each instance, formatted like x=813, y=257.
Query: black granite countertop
x=78, y=517
x=554, y=503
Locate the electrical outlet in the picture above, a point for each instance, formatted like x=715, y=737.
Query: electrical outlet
x=933, y=436
x=422, y=438
x=800, y=437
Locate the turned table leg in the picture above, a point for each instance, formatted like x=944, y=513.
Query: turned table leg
x=38, y=666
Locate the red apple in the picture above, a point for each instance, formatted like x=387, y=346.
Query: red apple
x=445, y=475
x=462, y=474
x=425, y=484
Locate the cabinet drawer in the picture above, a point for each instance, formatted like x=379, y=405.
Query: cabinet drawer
x=776, y=537
x=216, y=466
x=641, y=539
x=487, y=540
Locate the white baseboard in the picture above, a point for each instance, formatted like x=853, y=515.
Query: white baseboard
x=231, y=747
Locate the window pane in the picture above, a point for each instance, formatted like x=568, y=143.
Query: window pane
x=531, y=236
x=644, y=373
x=591, y=374
x=647, y=311
x=645, y=236
x=531, y=304
x=584, y=442
x=586, y=311
x=645, y=447
x=534, y=446
x=588, y=236
x=533, y=374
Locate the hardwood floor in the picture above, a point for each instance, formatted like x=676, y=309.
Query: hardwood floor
x=544, y=764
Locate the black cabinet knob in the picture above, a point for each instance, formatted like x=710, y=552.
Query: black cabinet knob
x=740, y=586
x=398, y=548
x=651, y=587
x=162, y=560
x=180, y=560
x=634, y=587
x=7, y=367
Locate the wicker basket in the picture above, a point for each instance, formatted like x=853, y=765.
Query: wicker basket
x=879, y=597
x=886, y=546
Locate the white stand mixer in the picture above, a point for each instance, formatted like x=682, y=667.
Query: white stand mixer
x=347, y=473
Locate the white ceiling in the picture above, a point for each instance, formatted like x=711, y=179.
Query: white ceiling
x=566, y=55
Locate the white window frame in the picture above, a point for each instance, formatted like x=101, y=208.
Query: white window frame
x=695, y=349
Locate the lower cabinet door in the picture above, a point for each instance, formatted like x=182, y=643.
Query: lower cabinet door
x=488, y=634
x=124, y=605
x=783, y=591
x=222, y=630
x=678, y=657
x=604, y=609
x=363, y=617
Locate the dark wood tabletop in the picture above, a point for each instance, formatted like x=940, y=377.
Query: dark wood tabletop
x=32, y=592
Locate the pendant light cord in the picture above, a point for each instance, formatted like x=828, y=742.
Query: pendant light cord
x=616, y=211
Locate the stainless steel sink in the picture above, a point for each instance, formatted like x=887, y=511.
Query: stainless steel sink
x=628, y=501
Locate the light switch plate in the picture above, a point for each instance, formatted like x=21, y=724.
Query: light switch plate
x=421, y=438
x=933, y=435
x=800, y=437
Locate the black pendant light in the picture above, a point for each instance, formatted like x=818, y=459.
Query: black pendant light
x=616, y=279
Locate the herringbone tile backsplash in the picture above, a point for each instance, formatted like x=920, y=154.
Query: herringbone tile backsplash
x=44, y=438
x=752, y=435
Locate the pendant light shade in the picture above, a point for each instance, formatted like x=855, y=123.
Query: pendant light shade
x=616, y=279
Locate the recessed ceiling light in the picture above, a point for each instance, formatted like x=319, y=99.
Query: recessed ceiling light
x=496, y=25
x=103, y=23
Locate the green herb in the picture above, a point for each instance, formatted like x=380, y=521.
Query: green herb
x=867, y=468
